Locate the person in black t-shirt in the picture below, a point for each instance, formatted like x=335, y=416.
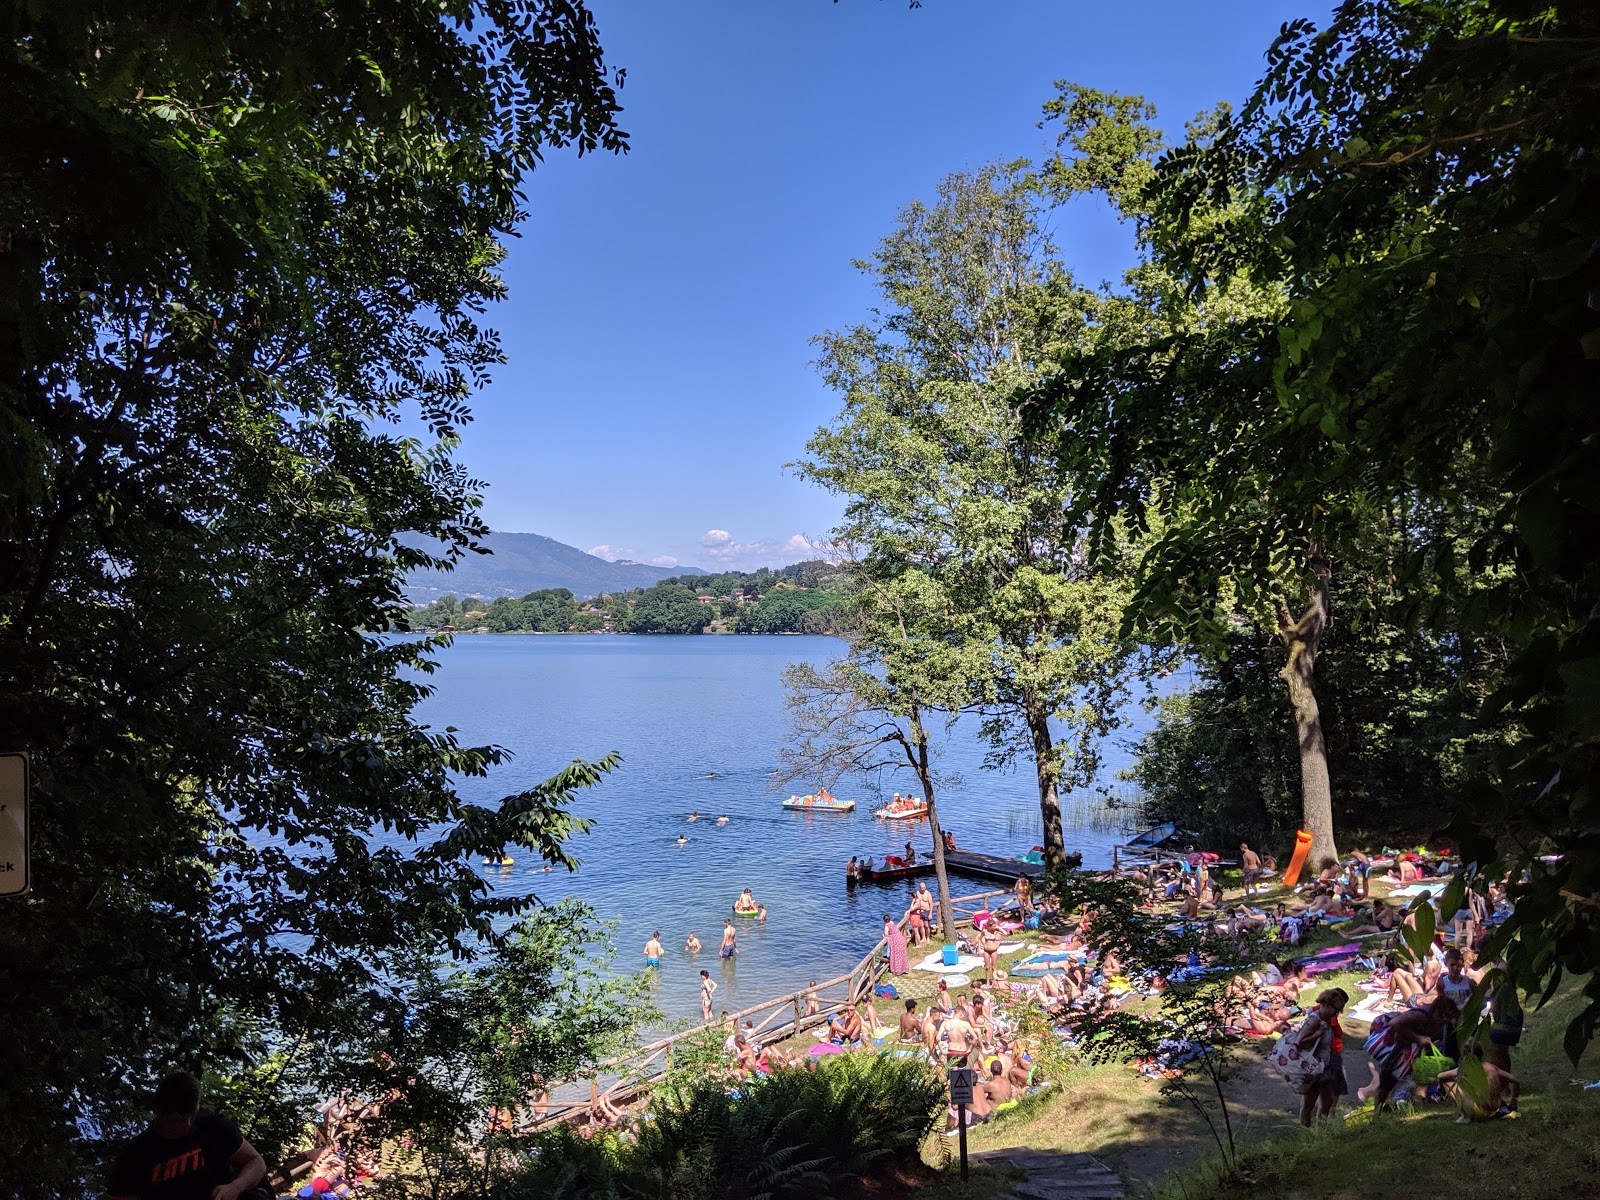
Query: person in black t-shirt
x=186, y=1154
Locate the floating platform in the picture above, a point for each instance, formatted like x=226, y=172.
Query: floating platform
x=988, y=866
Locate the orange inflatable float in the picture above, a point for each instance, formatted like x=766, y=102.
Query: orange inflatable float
x=1302, y=847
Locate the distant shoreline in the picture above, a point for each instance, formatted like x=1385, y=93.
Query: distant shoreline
x=615, y=633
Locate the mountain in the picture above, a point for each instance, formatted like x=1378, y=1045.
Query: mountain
x=526, y=562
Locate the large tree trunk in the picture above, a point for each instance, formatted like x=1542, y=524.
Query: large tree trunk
x=1301, y=638
x=947, y=924
x=1044, y=759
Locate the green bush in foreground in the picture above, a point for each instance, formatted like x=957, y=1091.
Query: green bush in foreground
x=796, y=1133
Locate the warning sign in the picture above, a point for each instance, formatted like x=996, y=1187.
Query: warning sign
x=14, y=880
x=961, y=1081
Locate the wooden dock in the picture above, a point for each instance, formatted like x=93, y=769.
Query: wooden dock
x=987, y=866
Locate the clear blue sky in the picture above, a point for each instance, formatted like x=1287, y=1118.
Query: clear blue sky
x=661, y=303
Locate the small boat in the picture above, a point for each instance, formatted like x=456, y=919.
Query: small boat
x=823, y=799
x=894, y=867
x=916, y=808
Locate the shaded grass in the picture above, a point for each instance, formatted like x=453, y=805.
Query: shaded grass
x=1552, y=1148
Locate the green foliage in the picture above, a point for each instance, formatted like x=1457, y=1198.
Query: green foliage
x=1188, y=1025
x=937, y=476
x=538, y=1004
x=793, y=1135
x=1412, y=190
x=238, y=243
x=550, y=611
x=1423, y=176
x=1398, y=712
x=791, y=610
x=668, y=608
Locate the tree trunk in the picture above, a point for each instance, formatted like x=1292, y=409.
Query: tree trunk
x=1044, y=759
x=1301, y=638
x=947, y=924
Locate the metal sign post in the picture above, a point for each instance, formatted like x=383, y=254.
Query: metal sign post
x=961, y=1081
x=14, y=781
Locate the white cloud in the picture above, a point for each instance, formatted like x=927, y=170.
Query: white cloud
x=716, y=537
x=726, y=553
x=610, y=553
x=663, y=560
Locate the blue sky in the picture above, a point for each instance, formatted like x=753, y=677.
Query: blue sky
x=661, y=303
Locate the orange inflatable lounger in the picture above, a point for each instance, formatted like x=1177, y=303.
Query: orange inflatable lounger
x=1302, y=847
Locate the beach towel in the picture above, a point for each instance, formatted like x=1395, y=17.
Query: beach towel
x=964, y=962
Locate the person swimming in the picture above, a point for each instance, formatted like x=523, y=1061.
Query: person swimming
x=711, y=774
x=692, y=944
x=694, y=816
x=723, y=819
x=682, y=841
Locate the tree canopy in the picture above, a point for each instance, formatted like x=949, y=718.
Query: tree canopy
x=237, y=245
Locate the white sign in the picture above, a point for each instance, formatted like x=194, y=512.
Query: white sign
x=961, y=1081
x=13, y=825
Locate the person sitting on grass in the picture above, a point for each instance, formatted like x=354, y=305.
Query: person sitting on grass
x=1500, y=1101
x=998, y=1089
x=910, y=1025
x=850, y=1026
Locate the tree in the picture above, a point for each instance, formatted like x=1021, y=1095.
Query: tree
x=930, y=455
x=668, y=608
x=537, y=1005
x=871, y=708
x=1186, y=1037
x=237, y=243
x=1419, y=181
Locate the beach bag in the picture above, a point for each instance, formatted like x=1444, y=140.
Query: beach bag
x=1298, y=1067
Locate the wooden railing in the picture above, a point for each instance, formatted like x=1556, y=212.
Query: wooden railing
x=627, y=1076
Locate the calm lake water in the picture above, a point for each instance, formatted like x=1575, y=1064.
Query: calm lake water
x=680, y=710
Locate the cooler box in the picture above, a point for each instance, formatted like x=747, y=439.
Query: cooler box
x=950, y=956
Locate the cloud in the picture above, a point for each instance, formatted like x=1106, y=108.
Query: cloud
x=726, y=553
x=610, y=553
x=663, y=560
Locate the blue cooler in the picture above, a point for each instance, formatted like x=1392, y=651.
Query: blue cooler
x=950, y=956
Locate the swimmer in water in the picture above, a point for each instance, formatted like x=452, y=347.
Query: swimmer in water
x=723, y=819
x=711, y=774
x=761, y=913
x=682, y=841
x=692, y=944
x=694, y=816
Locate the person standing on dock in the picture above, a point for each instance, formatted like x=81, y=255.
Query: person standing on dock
x=899, y=962
x=730, y=939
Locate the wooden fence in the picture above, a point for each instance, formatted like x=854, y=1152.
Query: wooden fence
x=629, y=1075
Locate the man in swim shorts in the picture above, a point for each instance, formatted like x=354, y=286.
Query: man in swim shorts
x=730, y=938
x=652, y=950
x=1251, y=862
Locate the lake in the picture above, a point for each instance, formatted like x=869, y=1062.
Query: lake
x=699, y=722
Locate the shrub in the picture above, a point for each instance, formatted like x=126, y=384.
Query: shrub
x=794, y=1134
